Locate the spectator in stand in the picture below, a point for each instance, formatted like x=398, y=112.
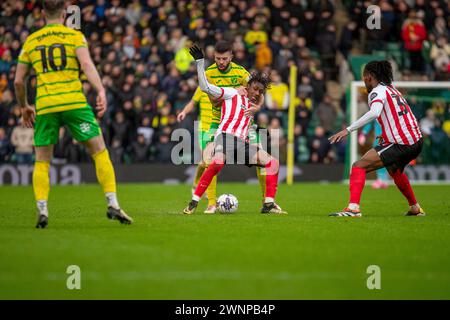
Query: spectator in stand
x=326, y=113
x=140, y=149
x=22, y=140
x=440, y=53
x=413, y=35
x=5, y=148
x=319, y=145
x=277, y=96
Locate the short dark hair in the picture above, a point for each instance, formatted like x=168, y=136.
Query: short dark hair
x=223, y=46
x=260, y=77
x=381, y=70
x=53, y=8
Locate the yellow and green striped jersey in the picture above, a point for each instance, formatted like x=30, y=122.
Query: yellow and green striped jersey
x=235, y=76
x=202, y=100
x=50, y=51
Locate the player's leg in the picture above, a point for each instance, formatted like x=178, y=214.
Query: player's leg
x=46, y=134
x=402, y=182
x=41, y=182
x=85, y=129
x=217, y=163
x=405, y=155
x=369, y=162
x=201, y=167
x=269, y=170
x=211, y=191
x=210, y=173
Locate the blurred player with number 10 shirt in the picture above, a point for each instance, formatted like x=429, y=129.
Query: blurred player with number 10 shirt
x=56, y=53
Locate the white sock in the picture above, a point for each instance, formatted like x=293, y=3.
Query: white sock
x=415, y=206
x=42, y=207
x=111, y=198
x=269, y=200
x=195, y=198
x=353, y=206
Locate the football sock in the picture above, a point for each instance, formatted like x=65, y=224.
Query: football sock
x=211, y=192
x=41, y=180
x=206, y=178
x=357, y=182
x=106, y=176
x=42, y=207
x=111, y=199
x=262, y=181
x=271, y=175
x=402, y=183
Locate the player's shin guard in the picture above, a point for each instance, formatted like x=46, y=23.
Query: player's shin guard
x=41, y=180
x=211, y=192
x=402, y=183
x=106, y=176
x=271, y=179
x=207, y=177
x=357, y=182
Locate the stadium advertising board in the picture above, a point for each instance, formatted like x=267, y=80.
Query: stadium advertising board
x=73, y=174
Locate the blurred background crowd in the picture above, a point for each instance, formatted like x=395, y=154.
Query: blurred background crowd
x=140, y=48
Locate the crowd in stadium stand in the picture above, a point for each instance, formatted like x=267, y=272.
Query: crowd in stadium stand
x=140, y=48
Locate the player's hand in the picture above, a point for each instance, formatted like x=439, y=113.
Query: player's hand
x=338, y=136
x=101, y=104
x=196, y=52
x=251, y=111
x=242, y=91
x=361, y=139
x=181, y=116
x=28, y=116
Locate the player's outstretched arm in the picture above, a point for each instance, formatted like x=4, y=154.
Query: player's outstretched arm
x=188, y=108
x=205, y=86
x=369, y=116
x=93, y=77
x=28, y=113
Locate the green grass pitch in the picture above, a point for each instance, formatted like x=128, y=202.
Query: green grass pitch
x=245, y=255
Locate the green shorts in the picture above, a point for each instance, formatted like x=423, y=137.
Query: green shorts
x=206, y=137
x=80, y=122
x=253, y=136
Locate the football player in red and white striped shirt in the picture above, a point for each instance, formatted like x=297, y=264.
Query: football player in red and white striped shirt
x=400, y=142
x=231, y=136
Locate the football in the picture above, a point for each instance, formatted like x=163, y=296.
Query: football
x=227, y=203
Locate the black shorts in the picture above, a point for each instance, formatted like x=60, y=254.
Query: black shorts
x=398, y=156
x=236, y=150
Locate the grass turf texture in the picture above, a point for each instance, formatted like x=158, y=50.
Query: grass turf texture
x=245, y=255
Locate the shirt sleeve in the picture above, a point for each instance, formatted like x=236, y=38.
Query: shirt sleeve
x=372, y=114
x=197, y=95
x=205, y=86
x=24, y=57
x=376, y=96
x=245, y=77
x=80, y=41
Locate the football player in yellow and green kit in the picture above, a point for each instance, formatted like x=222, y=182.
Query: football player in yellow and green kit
x=223, y=73
x=57, y=53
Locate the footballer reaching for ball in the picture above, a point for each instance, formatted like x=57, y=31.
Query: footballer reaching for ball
x=400, y=142
x=57, y=53
x=232, y=134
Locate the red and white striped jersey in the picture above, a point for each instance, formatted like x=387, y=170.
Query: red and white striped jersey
x=233, y=121
x=398, y=123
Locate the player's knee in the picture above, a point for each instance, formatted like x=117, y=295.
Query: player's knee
x=272, y=166
x=359, y=164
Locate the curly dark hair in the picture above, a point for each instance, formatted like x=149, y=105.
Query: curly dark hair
x=381, y=70
x=260, y=77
